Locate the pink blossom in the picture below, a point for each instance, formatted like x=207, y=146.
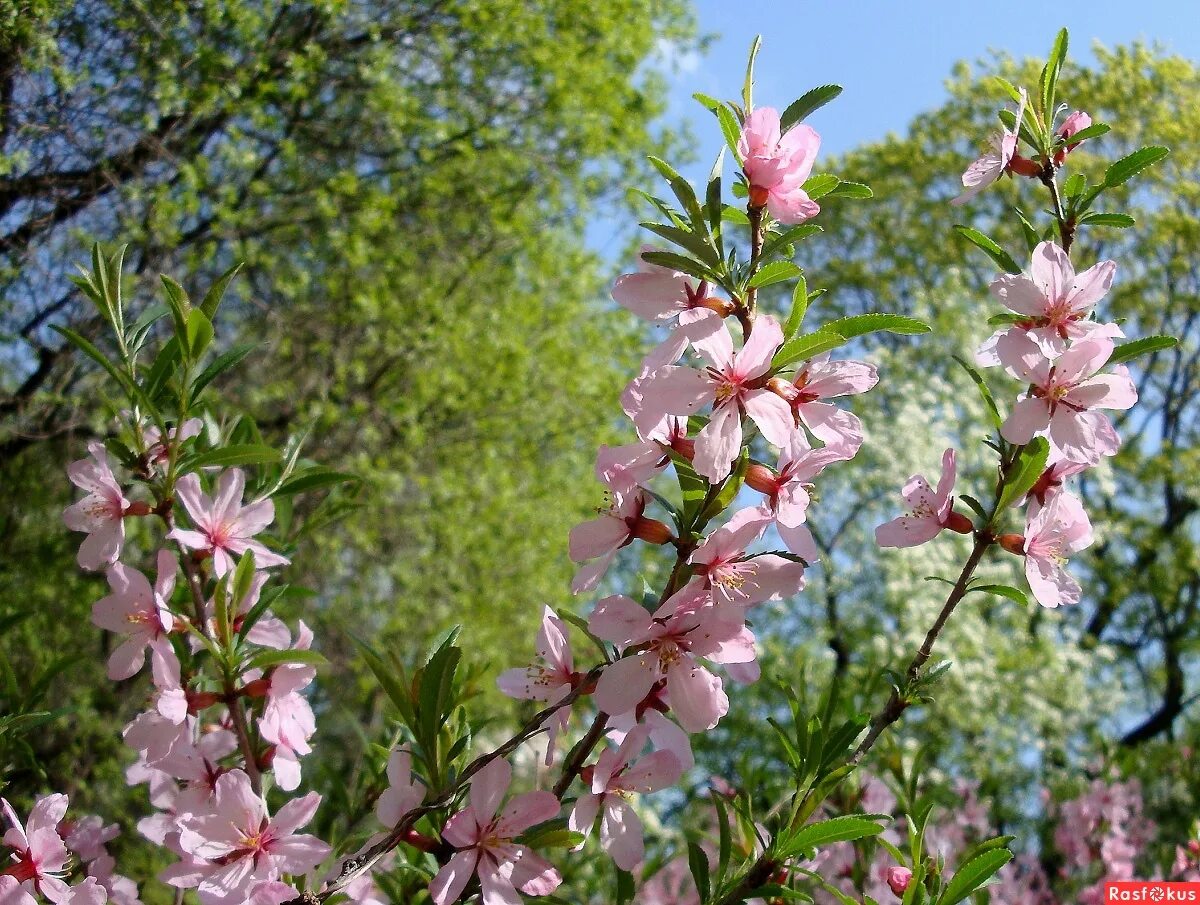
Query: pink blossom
x=1075, y=123
x=597, y=541
x=787, y=490
x=485, y=847
x=624, y=468
x=155, y=736
x=1051, y=482
x=87, y=835
x=617, y=773
x=822, y=379
x=101, y=514
x=242, y=843
x=403, y=792
x=995, y=162
x=665, y=735
x=734, y=384
x=898, y=879
x=657, y=293
x=198, y=765
x=41, y=857
x=136, y=611
x=223, y=527
x=288, y=721
x=1059, y=529
x=551, y=679
x=1055, y=300
x=1063, y=397
x=931, y=510
x=777, y=166
x=737, y=578
x=669, y=646
x=157, y=452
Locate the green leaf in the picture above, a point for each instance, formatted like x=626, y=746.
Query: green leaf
x=1120, y=221
x=680, y=263
x=1002, y=258
x=712, y=200
x=729, y=490
x=820, y=185
x=1075, y=185
x=804, y=347
x=693, y=487
x=856, y=190
x=835, y=829
x=220, y=365
x=1050, y=72
x=988, y=399
x=212, y=298
x=395, y=687
x=1143, y=346
x=199, y=332
x=316, y=478
x=775, y=272
x=973, y=874
x=790, y=237
x=89, y=349
x=1029, y=467
x=698, y=862
x=265, y=659
x=799, y=308
x=684, y=192
x=552, y=835
x=1095, y=130
x=875, y=322
x=748, y=98
x=1031, y=236
x=685, y=239
x=730, y=130
x=225, y=456
x=1129, y=166
x=807, y=104
x=1001, y=590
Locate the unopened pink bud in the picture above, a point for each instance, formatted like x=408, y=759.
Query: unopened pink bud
x=761, y=478
x=1013, y=543
x=898, y=879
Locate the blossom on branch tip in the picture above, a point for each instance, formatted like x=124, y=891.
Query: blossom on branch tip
x=995, y=162
x=222, y=526
x=617, y=773
x=484, y=842
x=776, y=166
x=1055, y=300
x=136, y=611
x=1064, y=396
x=100, y=514
x=932, y=510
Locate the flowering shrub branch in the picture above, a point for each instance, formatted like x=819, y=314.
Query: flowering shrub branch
x=734, y=426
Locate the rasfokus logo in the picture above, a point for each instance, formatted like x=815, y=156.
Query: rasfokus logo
x=1153, y=891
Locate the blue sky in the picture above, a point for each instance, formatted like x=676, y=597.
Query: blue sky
x=891, y=56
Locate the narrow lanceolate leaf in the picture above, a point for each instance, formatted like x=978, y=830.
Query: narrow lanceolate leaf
x=775, y=272
x=820, y=185
x=989, y=246
x=856, y=190
x=875, y=322
x=836, y=829
x=317, y=478
x=219, y=365
x=225, y=456
x=681, y=263
x=1029, y=467
x=212, y=299
x=1143, y=346
x=1127, y=167
x=730, y=130
x=988, y=399
x=807, y=104
x=1095, y=130
x=1001, y=590
x=698, y=862
x=789, y=237
x=1120, y=221
x=685, y=239
x=799, y=308
x=684, y=192
x=806, y=346
x=973, y=874
x=1050, y=72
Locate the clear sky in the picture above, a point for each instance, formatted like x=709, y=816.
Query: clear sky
x=891, y=56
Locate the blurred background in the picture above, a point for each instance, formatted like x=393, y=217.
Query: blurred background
x=431, y=199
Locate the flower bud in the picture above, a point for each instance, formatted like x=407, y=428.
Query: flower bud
x=898, y=879
x=651, y=530
x=785, y=389
x=762, y=479
x=138, y=507
x=759, y=196
x=201, y=700
x=257, y=689
x=723, y=307
x=1023, y=166
x=1013, y=543
x=959, y=522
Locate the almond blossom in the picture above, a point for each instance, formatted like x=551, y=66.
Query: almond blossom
x=551, y=680
x=820, y=379
x=776, y=166
x=932, y=510
x=658, y=293
x=1064, y=396
x=734, y=384
x=618, y=773
x=241, y=843
x=1058, y=530
x=40, y=855
x=483, y=839
x=995, y=162
x=624, y=468
x=596, y=541
x=101, y=514
x=222, y=526
x=669, y=646
x=136, y=611
x=1055, y=300
x=736, y=578
x=1076, y=122
x=403, y=793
